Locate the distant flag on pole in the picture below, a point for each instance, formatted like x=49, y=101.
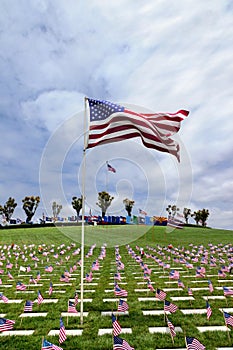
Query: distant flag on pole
x=62, y=332
x=110, y=168
x=142, y=212
x=110, y=122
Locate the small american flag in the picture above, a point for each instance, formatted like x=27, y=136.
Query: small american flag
x=211, y=288
x=28, y=306
x=181, y=284
x=208, y=310
x=116, y=326
x=75, y=298
x=4, y=298
x=160, y=294
x=5, y=324
x=171, y=328
x=40, y=298
x=169, y=306
x=10, y=275
x=71, y=307
x=20, y=286
x=121, y=344
x=227, y=291
x=50, y=288
x=110, y=168
x=120, y=292
x=194, y=344
x=228, y=319
x=62, y=332
x=190, y=292
x=46, y=345
x=122, y=306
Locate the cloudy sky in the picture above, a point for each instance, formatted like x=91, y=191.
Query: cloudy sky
x=161, y=56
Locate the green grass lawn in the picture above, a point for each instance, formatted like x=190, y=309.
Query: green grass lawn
x=154, y=237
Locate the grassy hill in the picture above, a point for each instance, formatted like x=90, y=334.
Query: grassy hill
x=133, y=236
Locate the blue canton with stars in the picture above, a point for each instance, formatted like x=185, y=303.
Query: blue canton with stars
x=100, y=110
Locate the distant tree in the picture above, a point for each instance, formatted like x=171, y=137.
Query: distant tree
x=172, y=210
x=128, y=205
x=8, y=209
x=30, y=204
x=56, y=208
x=104, y=201
x=186, y=213
x=196, y=216
x=77, y=204
x=203, y=214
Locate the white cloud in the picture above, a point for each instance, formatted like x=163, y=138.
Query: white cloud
x=163, y=57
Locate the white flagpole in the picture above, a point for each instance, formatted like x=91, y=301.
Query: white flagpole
x=83, y=212
x=107, y=177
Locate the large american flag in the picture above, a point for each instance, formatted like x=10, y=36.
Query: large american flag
x=110, y=122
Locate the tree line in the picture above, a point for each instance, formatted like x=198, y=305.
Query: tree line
x=30, y=204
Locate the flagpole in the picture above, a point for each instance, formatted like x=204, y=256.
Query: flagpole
x=83, y=211
x=107, y=177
